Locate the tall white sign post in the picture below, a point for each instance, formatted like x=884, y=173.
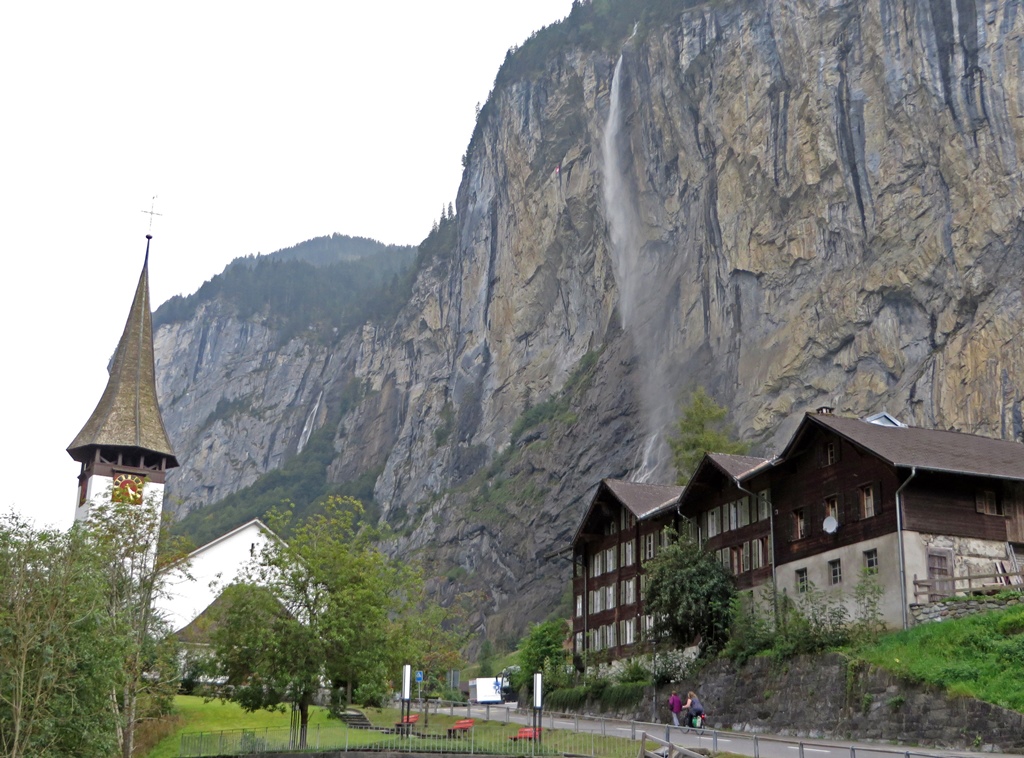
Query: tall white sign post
x=538, y=703
x=406, y=709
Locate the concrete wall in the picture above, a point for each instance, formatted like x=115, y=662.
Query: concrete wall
x=851, y=559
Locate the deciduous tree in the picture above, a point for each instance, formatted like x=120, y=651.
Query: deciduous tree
x=57, y=663
x=319, y=611
x=689, y=594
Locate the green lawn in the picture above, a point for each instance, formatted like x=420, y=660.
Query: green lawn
x=980, y=656
x=488, y=736
x=198, y=716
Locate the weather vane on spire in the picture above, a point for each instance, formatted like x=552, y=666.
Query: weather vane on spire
x=152, y=213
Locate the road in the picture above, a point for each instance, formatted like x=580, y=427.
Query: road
x=742, y=743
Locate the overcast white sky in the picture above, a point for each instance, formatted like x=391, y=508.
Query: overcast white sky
x=256, y=125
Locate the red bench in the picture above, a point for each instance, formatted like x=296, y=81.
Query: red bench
x=527, y=733
x=407, y=721
x=459, y=727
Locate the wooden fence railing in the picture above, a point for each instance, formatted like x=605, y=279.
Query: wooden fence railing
x=937, y=588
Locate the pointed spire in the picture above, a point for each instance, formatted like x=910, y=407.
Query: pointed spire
x=128, y=413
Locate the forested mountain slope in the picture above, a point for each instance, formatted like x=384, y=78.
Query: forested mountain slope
x=790, y=203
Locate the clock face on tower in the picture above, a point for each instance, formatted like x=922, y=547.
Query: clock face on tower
x=127, y=489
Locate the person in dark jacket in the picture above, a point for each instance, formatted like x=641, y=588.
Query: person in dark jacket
x=693, y=707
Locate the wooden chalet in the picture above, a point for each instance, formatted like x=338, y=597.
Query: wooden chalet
x=917, y=507
x=624, y=526
x=931, y=513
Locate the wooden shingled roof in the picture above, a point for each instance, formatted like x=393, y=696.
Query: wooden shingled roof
x=736, y=465
x=643, y=500
x=927, y=449
x=128, y=413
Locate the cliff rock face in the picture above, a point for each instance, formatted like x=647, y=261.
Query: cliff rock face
x=791, y=203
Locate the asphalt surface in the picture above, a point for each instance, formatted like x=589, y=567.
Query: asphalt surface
x=742, y=743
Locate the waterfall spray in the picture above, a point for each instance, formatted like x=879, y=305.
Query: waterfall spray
x=639, y=317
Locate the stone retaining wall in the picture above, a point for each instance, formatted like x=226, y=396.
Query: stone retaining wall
x=957, y=608
x=826, y=696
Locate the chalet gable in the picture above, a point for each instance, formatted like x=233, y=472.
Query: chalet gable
x=914, y=447
x=715, y=472
x=641, y=501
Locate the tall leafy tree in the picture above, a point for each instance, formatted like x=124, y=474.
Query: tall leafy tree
x=544, y=650
x=689, y=593
x=702, y=429
x=58, y=665
x=137, y=553
x=317, y=611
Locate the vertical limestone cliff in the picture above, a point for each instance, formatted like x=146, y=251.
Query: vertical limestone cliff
x=791, y=203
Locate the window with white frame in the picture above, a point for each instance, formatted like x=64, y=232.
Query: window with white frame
x=647, y=625
x=802, y=582
x=764, y=504
x=835, y=572
x=744, y=512
x=597, y=601
x=628, y=553
x=746, y=556
x=799, y=524
x=609, y=597
x=871, y=561
x=867, y=501
x=612, y=641
x=628, y=593
x=714, y=527
x=597, y=561
x=756, y=554
x=627, y=629
x=832, y=507
x=610, y=557
x=579, y=605
x=579, y=641
x=650, y=545
x=831, y=453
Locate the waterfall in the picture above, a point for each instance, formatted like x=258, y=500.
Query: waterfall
x=640, y=317
x=307, y=428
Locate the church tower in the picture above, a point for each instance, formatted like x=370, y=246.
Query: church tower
x=123, y=447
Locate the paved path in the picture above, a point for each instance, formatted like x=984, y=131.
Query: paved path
x=762, y=746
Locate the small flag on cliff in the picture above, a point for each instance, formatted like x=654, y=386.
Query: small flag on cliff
x=558, y=168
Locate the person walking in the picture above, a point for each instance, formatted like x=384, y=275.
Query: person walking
x=675, y=705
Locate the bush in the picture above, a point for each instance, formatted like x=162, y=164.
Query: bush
x=370, y=695
x=634, y=671
x=1012, y=622
x=622, y=696
x=566, y=699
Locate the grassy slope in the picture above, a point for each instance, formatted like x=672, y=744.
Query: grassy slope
x=981, y=656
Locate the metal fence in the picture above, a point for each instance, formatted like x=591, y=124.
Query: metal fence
x=497, y=730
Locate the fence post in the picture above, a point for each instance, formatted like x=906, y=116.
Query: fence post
x=577, y=723
x=801, y=750
x=756, y=753
x=632, y=730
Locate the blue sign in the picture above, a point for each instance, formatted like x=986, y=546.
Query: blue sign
x=419, y=676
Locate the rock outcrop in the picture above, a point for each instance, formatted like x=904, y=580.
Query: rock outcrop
x=792, y=204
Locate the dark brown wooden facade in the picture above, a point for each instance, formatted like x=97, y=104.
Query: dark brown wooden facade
x=823, y=510
x=624, y=527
